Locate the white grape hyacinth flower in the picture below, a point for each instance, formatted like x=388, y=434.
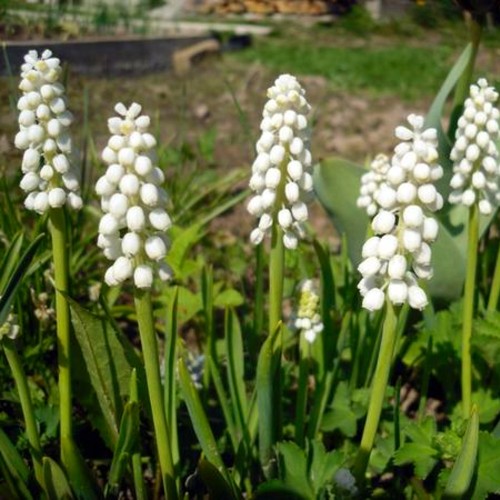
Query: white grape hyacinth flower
x=475, y=154
x=371, y=183
x=51, y=178
x=132, y=231
x=282, y=172
x=399, y=254
x=308, y=320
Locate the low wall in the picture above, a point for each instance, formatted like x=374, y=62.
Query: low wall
x=106, y=57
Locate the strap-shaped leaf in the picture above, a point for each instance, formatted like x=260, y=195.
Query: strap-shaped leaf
x=7, y=295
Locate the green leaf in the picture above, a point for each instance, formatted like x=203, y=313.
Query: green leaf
x=106, y=362
x=463, y=470
x=201, y=425
x=15, y=465
x=182, y=241
x=10, y=259
x=433, y=118
x=420, y=452
x=423, y=456
x=169, y=364
x=127, y=439
x=56, y=484
x=217, y=485
x=7, y=294
x=488, y=477
x=235, y=370
x=337, y=184
x=293, y=468
x=322, y=465
x=228, y=298
x=488, y=405
x=268, y=381
x=189, y=303
x=343, y=415
x=486, y=338
x=80, y=478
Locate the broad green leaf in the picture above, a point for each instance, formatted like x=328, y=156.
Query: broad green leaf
x=228, y=298
x=182, y=241
x=189, y=303
x=423, y=456
x=106, y=362
x=293, y=468
x=336, y=182
x=486, y=338
x=322, y=465
x=56, y=484
x=488, y=467
x=421, y=451
x=7, y=294
x=463, y=470
x=343, y=415
x=488, y=405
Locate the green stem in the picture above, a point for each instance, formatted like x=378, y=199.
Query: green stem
x=139, y=487
x=495, y=286
x=144, y=309
x=276, y=271
x=57, y=223
x=304, y=365
x=258, y=320
x=26, y=406
x=468, y=308
x=379, y=386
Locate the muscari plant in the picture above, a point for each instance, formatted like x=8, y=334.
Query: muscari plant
x=310, y=418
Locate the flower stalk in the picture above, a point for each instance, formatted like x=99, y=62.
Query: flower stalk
x=144, y=309
x=378, y=389
x=495, y=286
x=57, y=225
x=468, y=309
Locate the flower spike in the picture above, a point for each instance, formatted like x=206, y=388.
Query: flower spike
x=132, y=229
x=402, y=192
x=475, y=153
x=281, y=173
x=51, y=178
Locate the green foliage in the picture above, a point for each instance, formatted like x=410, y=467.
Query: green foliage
x=346, y=409
x=420, y=451
x=107, y=364
x=488, y=465
x=305, y=474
